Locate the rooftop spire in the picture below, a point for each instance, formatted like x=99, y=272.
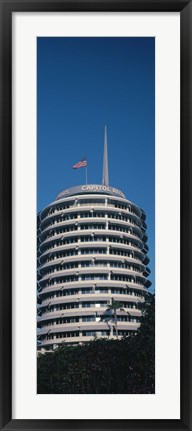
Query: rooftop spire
x=105, y=179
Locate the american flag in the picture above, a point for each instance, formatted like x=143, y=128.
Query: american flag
x=80, y=164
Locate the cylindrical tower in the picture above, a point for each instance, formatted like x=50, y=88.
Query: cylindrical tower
x=91, y=251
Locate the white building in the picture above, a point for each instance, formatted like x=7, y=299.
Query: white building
x=91, y=249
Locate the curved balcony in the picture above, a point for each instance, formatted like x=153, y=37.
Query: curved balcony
x=81, y=262
x=99, y=244
x=97, y=220
x=94, y=296
x=84, y=312
x=81, y=339
x=98, y=273
x=91, y=283
x=80, y=258
x=94, y=232
x=83, y=207
x=85, y=326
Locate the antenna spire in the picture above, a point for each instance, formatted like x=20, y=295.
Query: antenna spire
x=105, y=179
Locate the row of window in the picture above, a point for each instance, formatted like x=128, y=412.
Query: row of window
x=90, y=214
x=119, y=228
x=87, y=277
x=92, y=238
x=89, y=319
x=88, y=304
x=89, y=202
x=87, y=334
x=72, y=228
x=95, y=290
x=82, y=251
x=88, y=264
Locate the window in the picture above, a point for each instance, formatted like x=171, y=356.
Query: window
x=89, y=319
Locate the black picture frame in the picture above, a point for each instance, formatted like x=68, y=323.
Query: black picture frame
x=6, y=9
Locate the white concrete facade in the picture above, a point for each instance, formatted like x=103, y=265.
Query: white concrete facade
x=91, y=249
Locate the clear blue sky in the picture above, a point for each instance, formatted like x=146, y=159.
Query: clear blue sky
x=83, y=84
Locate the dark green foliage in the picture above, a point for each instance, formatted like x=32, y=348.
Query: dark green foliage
x=104, y=366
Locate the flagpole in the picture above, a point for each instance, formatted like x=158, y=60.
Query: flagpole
x=86, y=174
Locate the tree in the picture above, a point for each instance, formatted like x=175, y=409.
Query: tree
x=143, y=345
x=112, y=308
x=103, y=366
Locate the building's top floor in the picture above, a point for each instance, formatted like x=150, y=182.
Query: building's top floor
x=90, y=189
x=91, y=195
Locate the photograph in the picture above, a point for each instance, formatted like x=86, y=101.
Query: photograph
x=95, y=215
